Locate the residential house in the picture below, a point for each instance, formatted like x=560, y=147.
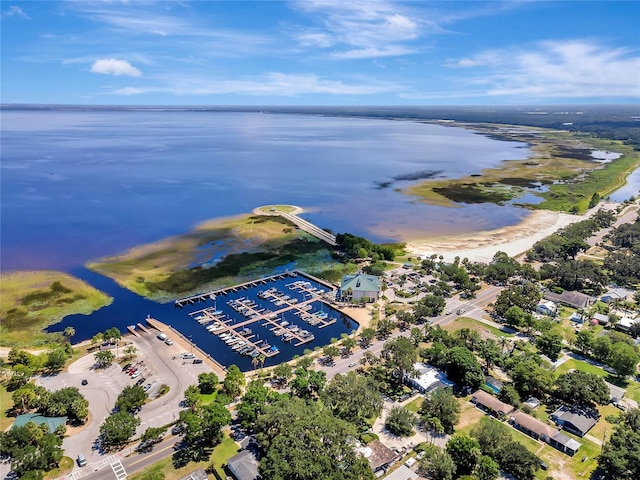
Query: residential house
x=575, y=420
x=600, y=319
x=615, y=393
x=577, y=318
x=625, y=323
x=427, y=379
x=402, y=473
x=243, y=466
x=541, y=431
x=359, y=286
x=616, y=295
x=532, y=403
x=198, y=474
x=569, y=298
x=491, y=404
x=547, y=308
x=380, y=457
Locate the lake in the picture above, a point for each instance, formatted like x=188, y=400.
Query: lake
x=79, y=185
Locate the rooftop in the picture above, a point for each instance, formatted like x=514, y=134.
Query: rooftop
x=244, y=465
x=572, y=298
x=360, y=282
x=533, y=424
x=378, y=454
x=429, y=377
x=488, y=400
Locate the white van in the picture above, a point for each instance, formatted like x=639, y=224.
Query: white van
x=188, y=355
x=81, y=460
x=162, y=336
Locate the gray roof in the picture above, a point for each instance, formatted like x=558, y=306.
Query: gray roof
x=402, y=473
x=615, y=393
x=571, y=298
x=568, y=442
x=243, y=466
x=360, y=283
x=198, y=474
x=576, y=417
x=601, y=317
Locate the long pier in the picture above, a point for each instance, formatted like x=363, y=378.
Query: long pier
x=300, y=222
x=212, y=295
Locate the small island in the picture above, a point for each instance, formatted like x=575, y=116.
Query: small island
x=33, y=300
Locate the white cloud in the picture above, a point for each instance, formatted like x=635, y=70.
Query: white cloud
x=271, y=83
x=571, y=69
x=363, y=29
x=113, y=66
x=14, y=11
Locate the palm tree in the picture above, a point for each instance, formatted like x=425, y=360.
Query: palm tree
x=261, y=359
x=130, y=351
x=255, y=361
x=68, y=333
x=503, y=341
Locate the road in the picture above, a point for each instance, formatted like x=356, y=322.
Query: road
x=629, y=214
x=132, y=464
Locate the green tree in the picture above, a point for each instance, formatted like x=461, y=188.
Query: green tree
x=442, y=405
x=385, y=327
x=437, y=465
x=32, y=449
x=366, y=335
x=623, y=358
x=400, y=421
x=465, y=453
x=307, y=383
x=69, y=332
x=254, y=402
x=330, y=352
x=151, y=436
x=353, y=398
x=509, y=395
x=550, y=344
x=463, y=368
x=582, y=388
x=399, y=356
x=283, y=373
x=104, y=358
x=620, y=457
x=487, y=468
x=131, y=398
x=117, y=429
x=428, y=306
x=490, y=352
x=207, y=382
x=303, y=441
x=234, y=381
x=192, y=397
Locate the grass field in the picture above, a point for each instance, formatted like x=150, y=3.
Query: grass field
x=6, y=403
x=556, y=158
x=33, y=300
x=473, y=324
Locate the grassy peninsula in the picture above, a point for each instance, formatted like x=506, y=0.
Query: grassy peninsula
x=33, y=300
x=216, y=254
x=560, y=171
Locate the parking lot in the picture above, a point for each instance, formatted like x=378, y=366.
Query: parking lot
x=155, y=362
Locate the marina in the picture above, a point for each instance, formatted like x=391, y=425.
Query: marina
x=251, y=318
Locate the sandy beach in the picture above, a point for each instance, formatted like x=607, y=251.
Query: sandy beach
x=482, y=246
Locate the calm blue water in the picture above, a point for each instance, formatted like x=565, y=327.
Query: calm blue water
x=81, y=185
x=129, y=308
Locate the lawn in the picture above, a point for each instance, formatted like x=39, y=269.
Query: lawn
x=633, y=388
x=560, y=466
x=164, y=469
x=415, y=404
x=6, y=403
x=473, y=324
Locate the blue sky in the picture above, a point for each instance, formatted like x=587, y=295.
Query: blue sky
x=320, y=52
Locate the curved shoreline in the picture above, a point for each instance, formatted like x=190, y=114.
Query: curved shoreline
x=514, y=240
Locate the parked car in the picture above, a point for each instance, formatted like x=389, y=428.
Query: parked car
x=188, y=355
x=126, y=367
x=146, y=387
x=168, y=341
x=137, y=374
x=140, y=381
x=352, y=364
x=197, y=360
